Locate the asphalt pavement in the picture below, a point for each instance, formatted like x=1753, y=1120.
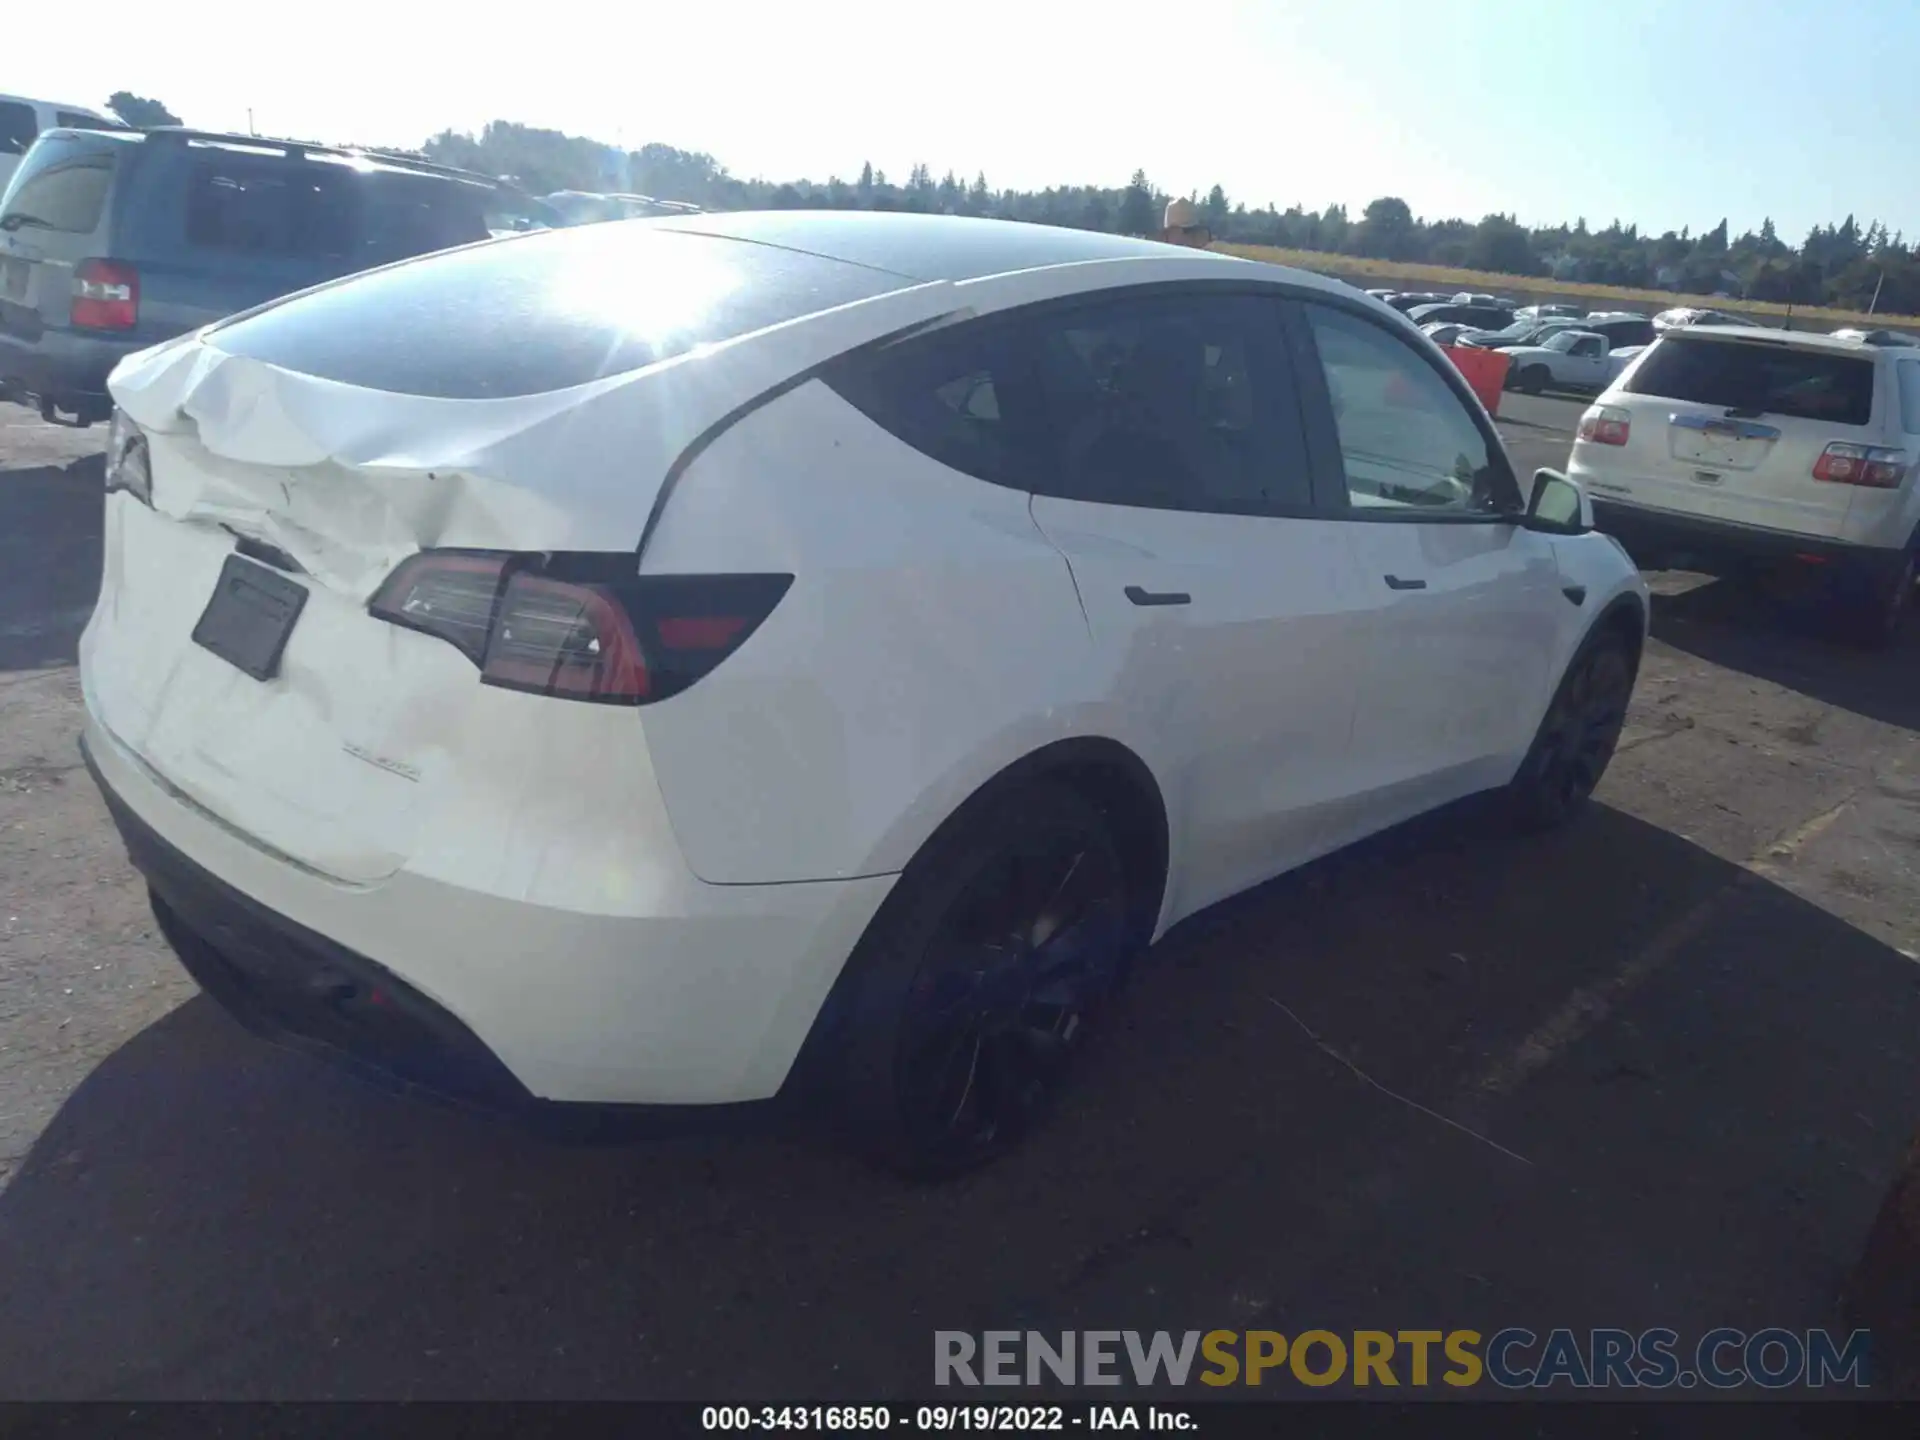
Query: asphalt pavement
x=1538, y=430
x=1654, y=1070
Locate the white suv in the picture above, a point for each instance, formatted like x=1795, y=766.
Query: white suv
x=1740, y=442
x=617, y=664
x=22, y=120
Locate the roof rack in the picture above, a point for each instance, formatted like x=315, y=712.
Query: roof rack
x=296, y=149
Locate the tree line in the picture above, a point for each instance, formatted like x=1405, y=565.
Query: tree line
x=1843, y=265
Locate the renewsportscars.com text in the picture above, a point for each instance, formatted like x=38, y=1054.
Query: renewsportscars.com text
x=1513, y=1358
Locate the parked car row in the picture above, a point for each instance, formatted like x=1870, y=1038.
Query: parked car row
x=1719, y=442
x=1549, y=346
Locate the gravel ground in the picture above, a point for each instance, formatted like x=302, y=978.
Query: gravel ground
x=1673, y=1048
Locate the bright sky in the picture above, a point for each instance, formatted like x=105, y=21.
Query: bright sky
x=1664, y=112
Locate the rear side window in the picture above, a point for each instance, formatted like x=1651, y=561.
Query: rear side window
x=404, y=215
x=968, y=397
x=1910, y=396
x=1168, y=402
x=1761, y=378
x=18, y=127
x=544, y=311
x=270, y=209
x=61, y=186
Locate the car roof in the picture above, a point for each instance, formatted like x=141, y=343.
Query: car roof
x=159, y=137
x=1800, y=339
x=949, y=247
x=93, y=110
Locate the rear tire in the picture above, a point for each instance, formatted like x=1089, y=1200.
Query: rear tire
x=1882, y=612
x=973, y=988
x=1534, y=378
x=1577, y=736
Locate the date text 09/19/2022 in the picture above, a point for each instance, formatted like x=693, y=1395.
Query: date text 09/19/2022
x=937, y=1419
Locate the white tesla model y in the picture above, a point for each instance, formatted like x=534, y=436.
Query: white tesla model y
x=652, y=662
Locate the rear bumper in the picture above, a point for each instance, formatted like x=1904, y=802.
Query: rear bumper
x=287, y=982
x=57, y=365
x=482, y=998
x=1713, y=542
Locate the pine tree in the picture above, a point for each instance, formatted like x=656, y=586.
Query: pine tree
x=1136, y=207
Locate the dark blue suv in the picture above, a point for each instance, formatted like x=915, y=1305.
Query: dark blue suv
x=114, y=241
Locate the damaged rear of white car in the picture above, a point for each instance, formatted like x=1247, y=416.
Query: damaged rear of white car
x=678, y=662
x=363, y=676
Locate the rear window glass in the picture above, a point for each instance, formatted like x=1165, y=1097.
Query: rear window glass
x=544, y=311
x=61, y=185
x=1764, y=379
x=74, y=120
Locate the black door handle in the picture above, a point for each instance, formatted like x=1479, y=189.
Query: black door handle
x=1163, y=597
x=1576, y=593
x=1394, y=582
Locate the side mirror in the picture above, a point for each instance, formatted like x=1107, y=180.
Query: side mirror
x=1559, y=505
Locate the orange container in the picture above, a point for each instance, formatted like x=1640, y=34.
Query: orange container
x=1485, y=372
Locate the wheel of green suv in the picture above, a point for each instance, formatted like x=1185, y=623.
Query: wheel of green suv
x=1577, y=737
x=978, y=981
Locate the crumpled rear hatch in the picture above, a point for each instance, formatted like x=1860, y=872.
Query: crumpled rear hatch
x=284, y=488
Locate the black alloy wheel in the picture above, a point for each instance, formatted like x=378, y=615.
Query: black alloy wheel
x=1576, y=740
x=983, y=982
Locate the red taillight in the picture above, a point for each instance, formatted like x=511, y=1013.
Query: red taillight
x=106, y=295
x=1605, y=425
x=580, y=627
x=555, y=637
x=1872, y=465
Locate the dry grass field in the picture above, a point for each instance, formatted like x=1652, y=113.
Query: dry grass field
x=1537, y=288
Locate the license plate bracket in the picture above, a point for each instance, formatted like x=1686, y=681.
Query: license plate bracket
x=249, y=618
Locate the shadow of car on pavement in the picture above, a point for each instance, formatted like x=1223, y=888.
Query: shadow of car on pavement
x=1794, y=638
x=1703, y=1143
